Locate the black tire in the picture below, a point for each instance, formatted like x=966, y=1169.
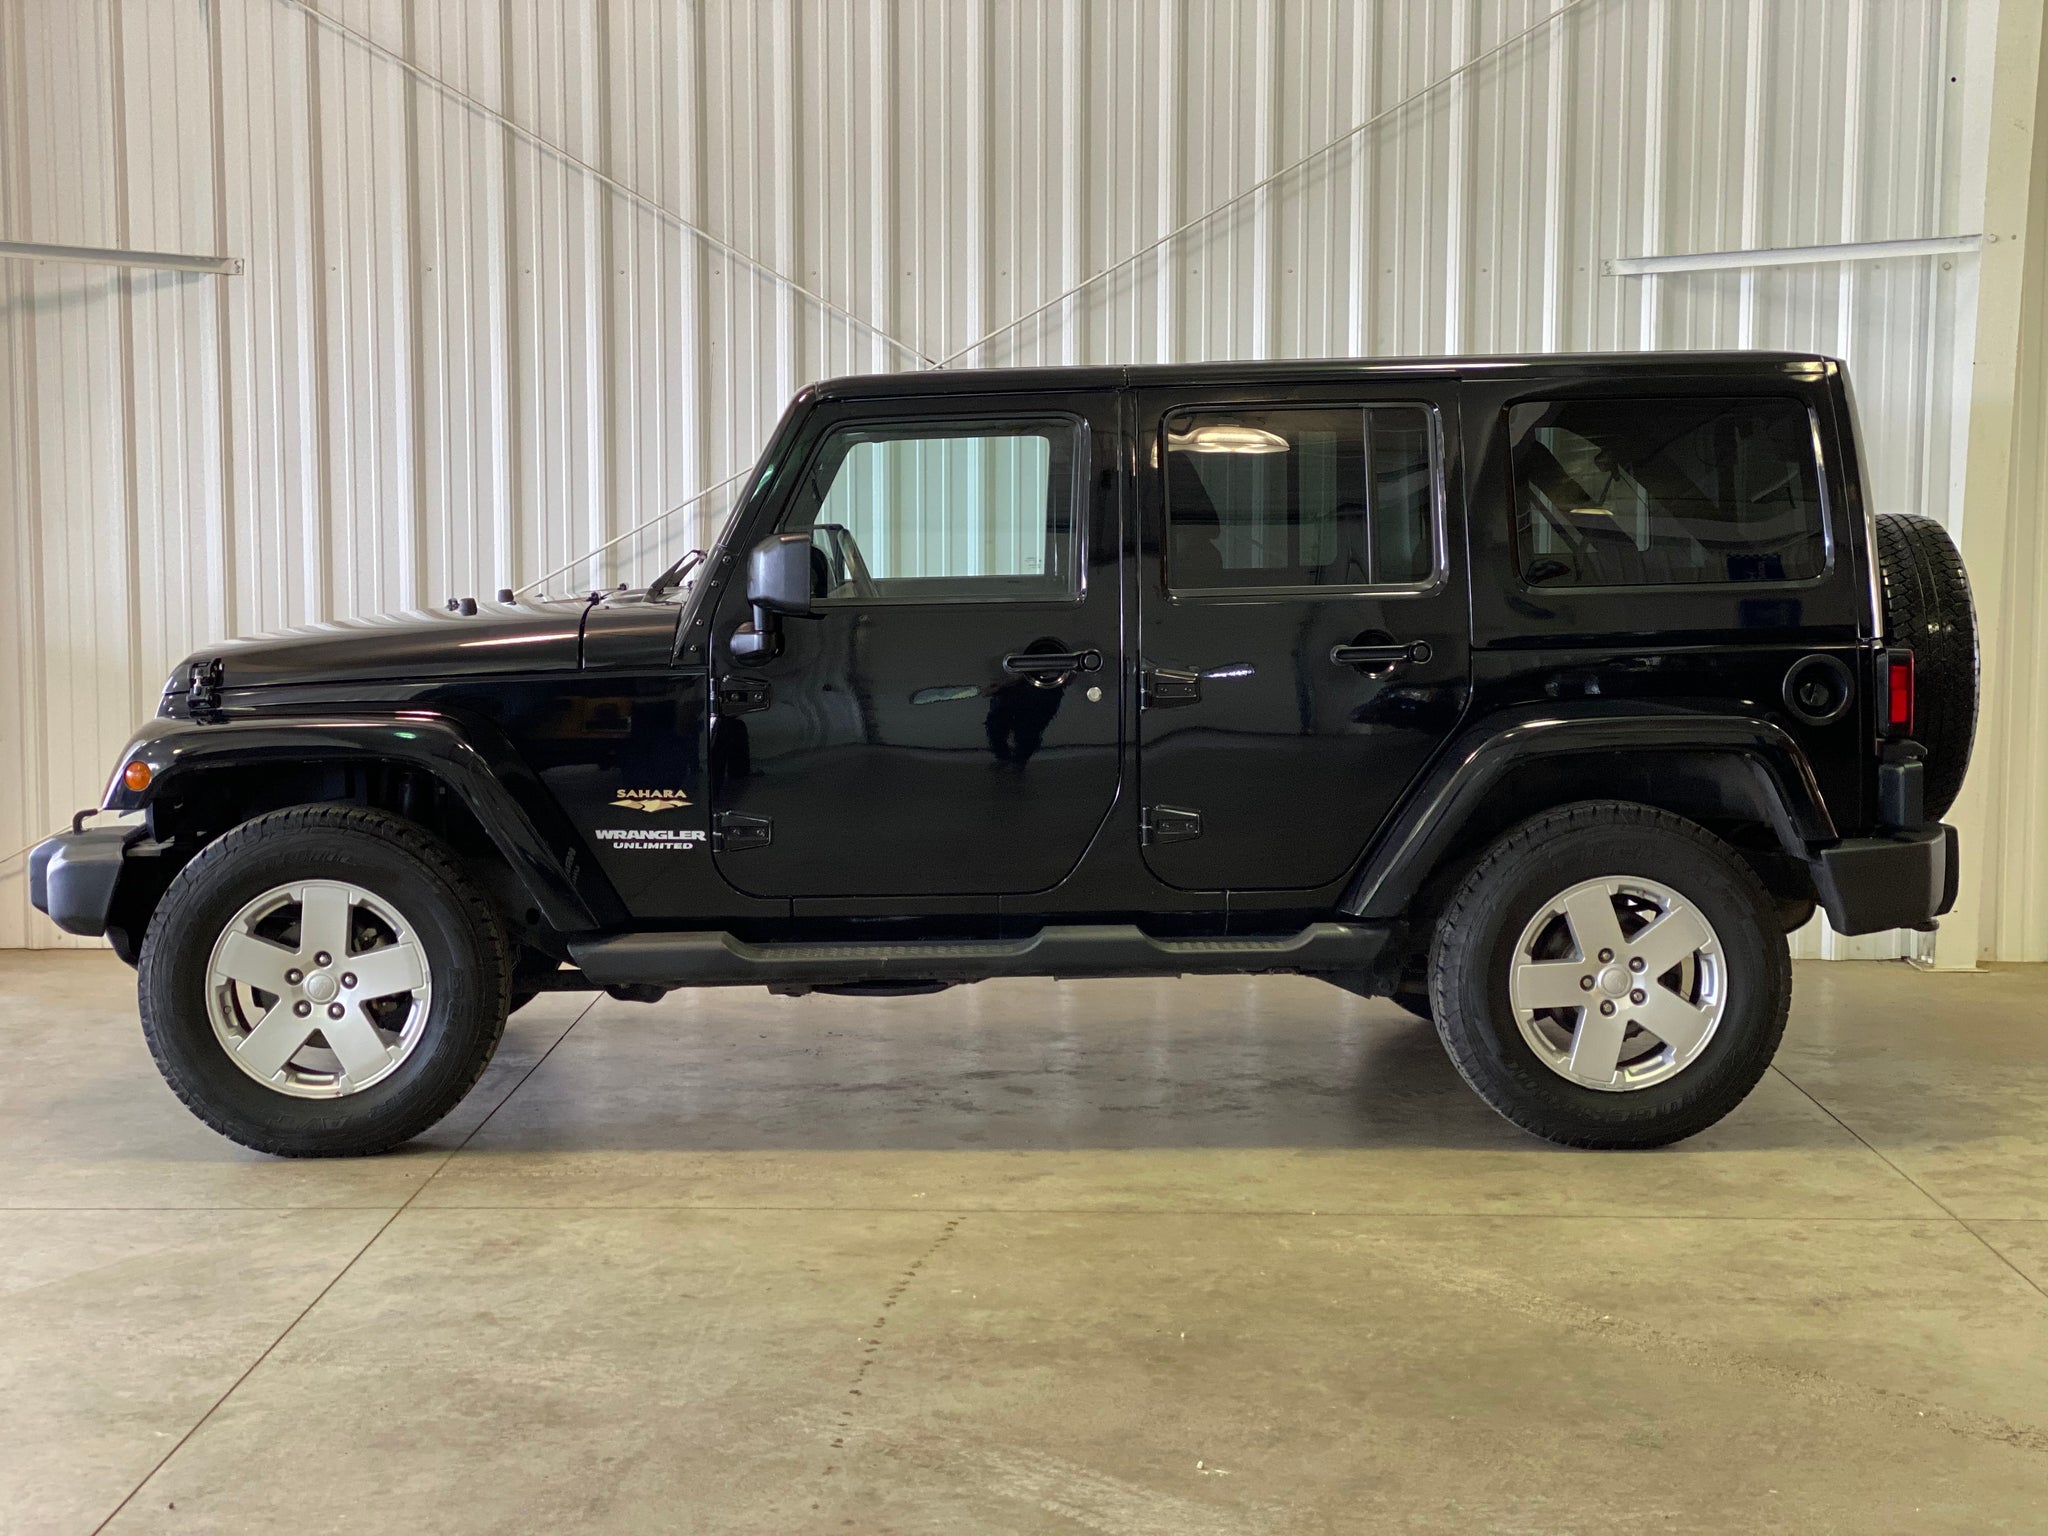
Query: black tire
x=400, y=864
x=1530, y=866
x=1927, y=606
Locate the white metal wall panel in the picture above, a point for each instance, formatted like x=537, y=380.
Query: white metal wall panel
x=514, y=269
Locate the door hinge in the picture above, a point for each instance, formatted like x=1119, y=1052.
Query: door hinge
x=741, y=695
x=1170, y=687
x=1168, y=824
x=732, y=833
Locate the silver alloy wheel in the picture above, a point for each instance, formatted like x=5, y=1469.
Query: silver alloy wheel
x=318, y=989
x=1618, y=983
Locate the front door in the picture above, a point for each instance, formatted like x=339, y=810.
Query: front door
x=1304, y=621
x=946, y=722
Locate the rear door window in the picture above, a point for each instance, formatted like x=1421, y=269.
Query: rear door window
x=1666, y=492
x=1301, y=497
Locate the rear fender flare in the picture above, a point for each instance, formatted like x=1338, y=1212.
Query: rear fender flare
x=507, y=798
x=1478, y=761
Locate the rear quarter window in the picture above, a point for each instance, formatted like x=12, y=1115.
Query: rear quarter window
x=1680, y=491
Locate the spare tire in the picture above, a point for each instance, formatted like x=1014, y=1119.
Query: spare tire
x=1927, y=606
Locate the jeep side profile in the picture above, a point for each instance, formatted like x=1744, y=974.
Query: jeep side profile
x=1542, y=695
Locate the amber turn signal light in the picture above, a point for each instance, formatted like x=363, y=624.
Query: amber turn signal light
x=137, y=775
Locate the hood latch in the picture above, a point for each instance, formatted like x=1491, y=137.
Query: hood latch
x=202, y=688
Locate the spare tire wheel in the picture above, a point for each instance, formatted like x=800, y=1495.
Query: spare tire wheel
x=1927, y=607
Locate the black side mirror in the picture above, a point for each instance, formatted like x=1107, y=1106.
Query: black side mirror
x=779, y=575
x=779, y=587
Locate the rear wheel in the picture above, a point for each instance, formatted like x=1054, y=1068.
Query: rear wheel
x=323, y=981
x=1610, y=975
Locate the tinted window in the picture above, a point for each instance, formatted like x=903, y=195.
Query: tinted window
x=1622, y=493
x=1340, y=496
x=942, y=513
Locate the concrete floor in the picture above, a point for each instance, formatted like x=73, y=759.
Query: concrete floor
x=1135, y=1258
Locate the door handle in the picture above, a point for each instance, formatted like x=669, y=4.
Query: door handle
x=1393, y=654
x=1051, y=663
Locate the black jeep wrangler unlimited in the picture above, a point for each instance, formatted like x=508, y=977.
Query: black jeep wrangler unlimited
x=1541, y=695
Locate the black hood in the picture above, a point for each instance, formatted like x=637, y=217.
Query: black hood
x=517, y=637
x=498, y=637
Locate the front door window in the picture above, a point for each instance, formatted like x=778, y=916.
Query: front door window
x=972, y=512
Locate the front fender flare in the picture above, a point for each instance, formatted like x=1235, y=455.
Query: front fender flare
x=507, y=798
x=1480, y=759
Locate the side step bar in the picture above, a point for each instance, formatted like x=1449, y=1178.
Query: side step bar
x=1092, y=949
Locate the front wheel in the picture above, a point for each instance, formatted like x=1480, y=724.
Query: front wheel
x=1610, y=975
x=323, y=981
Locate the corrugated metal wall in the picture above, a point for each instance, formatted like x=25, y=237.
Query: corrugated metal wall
x=522, y=273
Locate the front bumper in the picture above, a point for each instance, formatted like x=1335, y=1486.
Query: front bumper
x=1904, y=879
x=71, y=877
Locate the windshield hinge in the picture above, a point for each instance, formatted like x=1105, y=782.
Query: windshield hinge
x=741, y=695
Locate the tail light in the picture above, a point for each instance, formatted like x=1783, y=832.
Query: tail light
x=1897, y=667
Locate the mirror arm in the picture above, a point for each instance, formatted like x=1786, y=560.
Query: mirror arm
x=759, y=640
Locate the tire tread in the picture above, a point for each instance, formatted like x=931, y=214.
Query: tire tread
x=345, y=1136
x=1529, y=1096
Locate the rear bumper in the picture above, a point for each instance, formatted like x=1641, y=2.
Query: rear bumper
x=1904, y=879
x=71, y=877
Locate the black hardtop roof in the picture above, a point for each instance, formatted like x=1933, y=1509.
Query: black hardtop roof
x=950, y=381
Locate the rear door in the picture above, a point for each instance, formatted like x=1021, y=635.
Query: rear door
x=1303, y=624
x=946, y=723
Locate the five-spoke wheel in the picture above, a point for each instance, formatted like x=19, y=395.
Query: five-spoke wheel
x=1610, y=975
x=319, y=988
x=325, y=980
x=1617, y=983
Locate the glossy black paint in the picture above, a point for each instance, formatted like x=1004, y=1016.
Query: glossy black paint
x=587, y=739
x=529, y=637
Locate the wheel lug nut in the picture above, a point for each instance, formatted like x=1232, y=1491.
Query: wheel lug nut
x=321, y=958
x=1585, y=983
x=294, y=977
x=1605, y=956
x=348, y=978
x=1636, y=964
x=1607, y=1007
x=1638, y=996
x=335, y=1010
x=302, y=1008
